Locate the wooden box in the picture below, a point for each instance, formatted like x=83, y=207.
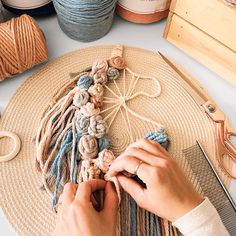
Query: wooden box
x=206, y=30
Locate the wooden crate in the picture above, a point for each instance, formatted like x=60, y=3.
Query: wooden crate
x=206, y=30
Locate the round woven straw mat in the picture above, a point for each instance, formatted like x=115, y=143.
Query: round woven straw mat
x=25, y=205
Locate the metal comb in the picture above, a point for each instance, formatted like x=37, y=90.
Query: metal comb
x=212, y=186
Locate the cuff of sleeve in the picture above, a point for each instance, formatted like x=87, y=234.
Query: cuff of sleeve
x=195, y=218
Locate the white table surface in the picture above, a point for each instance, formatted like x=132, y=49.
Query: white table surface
x=123, y=32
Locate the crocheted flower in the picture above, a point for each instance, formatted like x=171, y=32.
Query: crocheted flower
x=104, y=143
x=97, y=101
x=117, y=62
x=89, y=110
x=99, y=66
x=88, y=171
x=96, y=90
x=97, y=127
x=104, y=160
x=88, y=147
x=80, y=98
x=84, y=82
x=100, y=78
x=113, y=73
x=82, y=124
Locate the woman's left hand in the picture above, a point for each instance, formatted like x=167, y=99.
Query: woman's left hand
x=77, y=215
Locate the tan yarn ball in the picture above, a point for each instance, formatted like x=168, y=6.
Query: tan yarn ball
x=22, y=46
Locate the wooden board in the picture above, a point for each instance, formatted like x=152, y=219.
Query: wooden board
x=215, y=18
x=202, y=47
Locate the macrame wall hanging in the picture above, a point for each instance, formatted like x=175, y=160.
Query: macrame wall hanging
x=73, y=143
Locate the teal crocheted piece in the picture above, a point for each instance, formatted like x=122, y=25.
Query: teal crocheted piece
x=84, y=82
x=159, y=136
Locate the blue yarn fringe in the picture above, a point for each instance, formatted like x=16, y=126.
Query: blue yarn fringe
x=133, y=217
x=66, y=146
x=161, y=137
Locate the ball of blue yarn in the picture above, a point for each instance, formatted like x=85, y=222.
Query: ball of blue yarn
x=160, y=136
x=84, y=82
x=104, y=143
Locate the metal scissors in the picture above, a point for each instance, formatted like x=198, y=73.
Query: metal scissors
x=225, y=148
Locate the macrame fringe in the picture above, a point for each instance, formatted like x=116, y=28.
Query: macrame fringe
x=72, y=143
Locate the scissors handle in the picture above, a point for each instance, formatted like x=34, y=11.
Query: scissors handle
x=223, y=134
x=225, y=147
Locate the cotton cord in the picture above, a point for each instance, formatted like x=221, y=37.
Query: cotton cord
x=85, y=20
x=72, y=142
x=22, y=46
x=29, y=7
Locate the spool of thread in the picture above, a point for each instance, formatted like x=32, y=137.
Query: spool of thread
x=30, y=7
x=22, y=46
x=144, y=12
x=1, y=12
x=85, y=20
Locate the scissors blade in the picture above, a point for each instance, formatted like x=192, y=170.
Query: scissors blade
x=191, y=83
x=217, y=176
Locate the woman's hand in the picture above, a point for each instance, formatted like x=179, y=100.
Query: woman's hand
x=77, y=216
x=168, y=193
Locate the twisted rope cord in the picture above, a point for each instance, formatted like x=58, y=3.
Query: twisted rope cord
x=119, y=101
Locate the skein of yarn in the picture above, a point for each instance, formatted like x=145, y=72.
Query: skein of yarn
x=1, y=12
x=85, y=20
x=30, y=7
x=144, y=12
x=22, y=46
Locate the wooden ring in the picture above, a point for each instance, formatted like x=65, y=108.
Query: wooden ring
x=17, y=146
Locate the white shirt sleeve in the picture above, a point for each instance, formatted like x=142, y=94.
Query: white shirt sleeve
x=202, y=220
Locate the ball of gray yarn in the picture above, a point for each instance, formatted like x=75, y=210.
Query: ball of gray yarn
x=97, y=127
x=80, y=98
x=113, y=73
x=88, y=147
x=82, y=124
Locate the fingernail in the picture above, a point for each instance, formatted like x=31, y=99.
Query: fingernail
x=106, y=177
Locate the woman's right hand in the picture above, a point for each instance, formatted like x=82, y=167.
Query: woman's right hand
x=168, y=193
